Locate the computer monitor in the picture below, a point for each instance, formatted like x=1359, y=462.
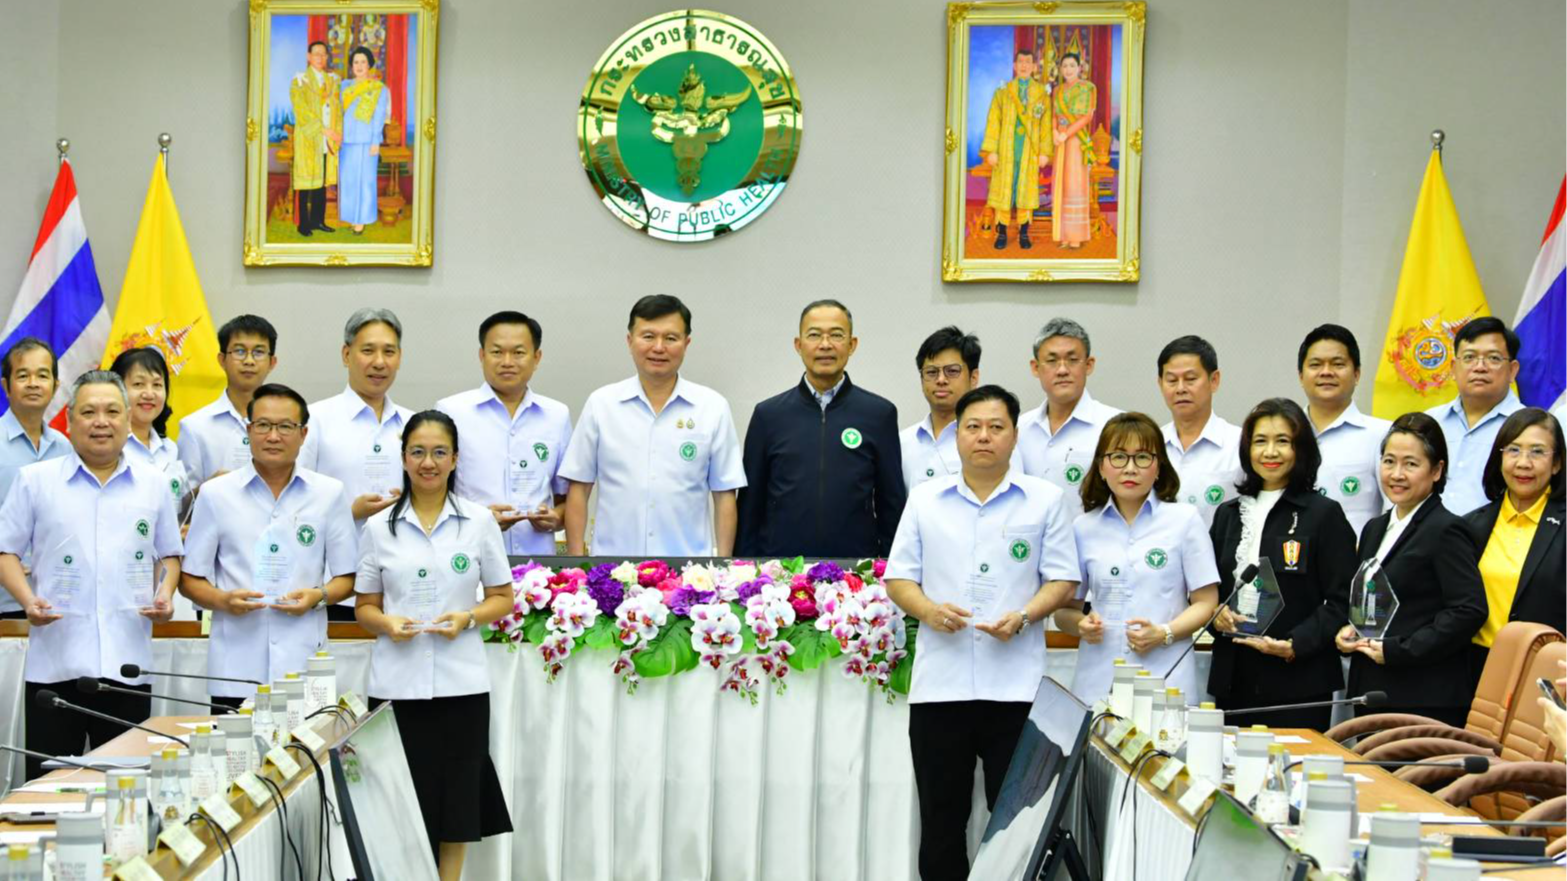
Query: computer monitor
x=377, y=802
x=1024, y=837
x=1232, y=843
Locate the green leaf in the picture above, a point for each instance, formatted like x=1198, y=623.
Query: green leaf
x=670, y=652
x=810, y=645
x=533, y=626
x=602, y=635
x=795, y=566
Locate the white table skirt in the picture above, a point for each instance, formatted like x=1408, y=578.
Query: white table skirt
x=678, y=781
x=1162, y=843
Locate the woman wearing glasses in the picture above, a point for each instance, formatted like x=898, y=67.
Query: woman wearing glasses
x=421, y=563
x=1519, y=533
x=1148, y=575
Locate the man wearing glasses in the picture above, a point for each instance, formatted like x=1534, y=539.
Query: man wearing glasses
x=948, y=365
x=213, y=439
x=1485, y=365
x=823, y=467
x=1057, y=438
x=261, y=540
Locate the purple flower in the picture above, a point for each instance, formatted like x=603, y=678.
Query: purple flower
x=518, y=571
x=826, y=570
x=685, y=597
x=604, y=590
x=751, y=588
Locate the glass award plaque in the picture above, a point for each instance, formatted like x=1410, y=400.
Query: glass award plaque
x=1372, y=602
x=1257, y=602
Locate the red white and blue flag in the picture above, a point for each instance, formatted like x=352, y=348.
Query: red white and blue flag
x=1542, y=317
x=60, y=301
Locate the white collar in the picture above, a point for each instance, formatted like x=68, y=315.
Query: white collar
x=1210, y=432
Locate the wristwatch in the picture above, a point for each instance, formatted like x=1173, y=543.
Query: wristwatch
x=472, y=622
x=1022, y=613
x=321, y=603
x=1169, y=633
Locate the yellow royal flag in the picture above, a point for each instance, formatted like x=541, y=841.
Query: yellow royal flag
x=161, y=305
x=1438, y=292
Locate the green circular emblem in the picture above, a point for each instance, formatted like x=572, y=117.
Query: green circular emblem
x=273, y=548
x=244, y=441
x=689, y=126
x=1019, y=550
x=1115, y=571
x=851, y=438
x=542, y=451
x=1074, y=474
x=688, y=451
x=523, y=464
x=174, y=487
x=140, y=555
x=1156, y=558
x=142, y=528
x=930, y=472
x=1349, y=486
x=305, y=535
x=1214, y=495
x=424, y=573
x=460, y=563
x=983, y=568
x=69, y=559
x=376, y=448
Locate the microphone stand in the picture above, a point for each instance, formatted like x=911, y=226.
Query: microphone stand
x=64, y=761
x=1247, y=574
x=54, y=701
x=92, y=686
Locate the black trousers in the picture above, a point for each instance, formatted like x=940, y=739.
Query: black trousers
x=1317, y=719
x=312, y=208
x=945, y=738
x=65, y=732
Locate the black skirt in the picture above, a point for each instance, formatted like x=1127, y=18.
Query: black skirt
x=447, y=741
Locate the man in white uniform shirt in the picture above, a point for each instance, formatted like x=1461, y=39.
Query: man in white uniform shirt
x=658, y=446
x=97, y=528
x=28, y=373
x=513, y=438
x=1203, y=447
x=213, y=439
x=1057, y=438
x=261, y=539
x=978, y=557
x=1485, y=359
x=948, y=364
x=1351, y=442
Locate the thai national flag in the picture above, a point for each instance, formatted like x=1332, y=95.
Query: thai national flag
x=1542, y=317
x=60, y=301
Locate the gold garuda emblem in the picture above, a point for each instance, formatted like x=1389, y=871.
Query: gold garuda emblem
x=689, y=126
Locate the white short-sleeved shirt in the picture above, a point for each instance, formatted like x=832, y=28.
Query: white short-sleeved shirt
x=312, y=528
x=100, y=543
x=1350, y=474
x=511, y=460
x=926, y=456
x=214, y=439
x=1065, y=457
x=1210, y=469
x=17, y=450
x=1145, y=570
x=347, y=443
x=461, y=555
x=163, y=456
x=654, y=472
x=1468, y=449
x=988, y=557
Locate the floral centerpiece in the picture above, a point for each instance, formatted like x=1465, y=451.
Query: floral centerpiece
x=753, y=622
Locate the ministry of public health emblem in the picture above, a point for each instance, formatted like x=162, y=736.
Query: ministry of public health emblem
x=688, y=451
x=460, y=563
x=1349, y=486
x=142, y=528
x=1074, y=474
x=1156, y=558
x=689, y=126
x=542, y=451
x=1020, y=550
x=305, y=535
x=1214, y=495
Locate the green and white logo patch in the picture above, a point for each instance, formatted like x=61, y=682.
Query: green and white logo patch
x=140, y=555
x=460, y=563
x=69, y=559
x=1214, y=495
x=305, y=535
x=851, y=438
x=175, y=486
x=688, y=451
x=1156, y=558
x=273, y=548
x=424, y=573
x=1020, y=550
x=1349, y=486
x=143, y=528
x=1074, y=474
x=1115, y=571
x=542, y=451
x=244, y=441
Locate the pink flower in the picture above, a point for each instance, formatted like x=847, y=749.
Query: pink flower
x=802, y=601
x=652, y=572
x=879, y=568
x=855, y=582
x=668, y=586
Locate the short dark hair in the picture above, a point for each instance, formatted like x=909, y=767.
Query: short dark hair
x=1191, y=344
x=1334, y=333
x=1308, y=457
x=279, y=390
x=655, y=306
x=990, y=393
x=1429, y=432
x=361, y=50
x=511, y=316
x=150, y=359
x=1479, y=327
x=1022, y=51
x=1072, y=55
x=828, y=303
x=949, y=337
x=315, y=43
x=23, y=346
x=413, y=424
x=251, y=324
x=1118, y=428
x=1492, y=481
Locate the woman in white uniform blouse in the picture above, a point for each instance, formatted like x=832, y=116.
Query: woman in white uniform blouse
x=147, y=381
x=1147, y=564
x=421, y=563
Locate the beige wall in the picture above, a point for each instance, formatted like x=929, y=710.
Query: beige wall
x=1284, y=146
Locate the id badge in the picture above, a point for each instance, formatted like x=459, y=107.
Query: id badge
x=980, y=595
x=61, y=575
x=273, y=568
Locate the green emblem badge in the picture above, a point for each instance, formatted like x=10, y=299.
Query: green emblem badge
x=1020, y=550
x=376, y=448
x=523, y=464
x=1074, y=474
x=244, y=441
x=140, y=555
x=688, y=451
x=851, y=438
x=424, y=573
x=273, y=548
x=983, y=568
x=1215, y=494
x=305, y=535
x=1349, y=486
x=930, y=472
x=1115, y=571
x=542, y=451
x=689, y=126
x=69, y=560
x=142, y=528
x=460, y=563
x=1156, y=558
x=174, y=486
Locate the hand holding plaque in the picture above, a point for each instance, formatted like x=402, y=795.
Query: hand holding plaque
x=1257, y=602
x=1372, y=602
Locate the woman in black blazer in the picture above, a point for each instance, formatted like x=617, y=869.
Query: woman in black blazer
x=1311, y=549
x=1523, y=479
x=1429, y=557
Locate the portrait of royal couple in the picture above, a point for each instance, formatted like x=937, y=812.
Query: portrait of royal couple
x=338, y=128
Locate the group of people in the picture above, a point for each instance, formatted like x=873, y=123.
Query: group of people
x=275, y=515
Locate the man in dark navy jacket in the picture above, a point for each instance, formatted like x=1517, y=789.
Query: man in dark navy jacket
x=824, y=475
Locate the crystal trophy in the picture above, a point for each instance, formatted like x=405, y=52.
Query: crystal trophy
x=1372, y=602
x=1258, y=602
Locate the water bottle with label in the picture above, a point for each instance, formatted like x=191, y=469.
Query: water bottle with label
x=1170, y=732
x=1272, y=803
x=123, y=838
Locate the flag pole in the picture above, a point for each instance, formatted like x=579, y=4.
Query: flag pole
x=64, y=146
x=164, y=140
x=1437, y=137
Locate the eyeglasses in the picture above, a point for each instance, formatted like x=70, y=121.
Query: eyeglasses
x=1142, y=459
x=1533, y=454
x=240, y=353
x=1053, y=362
x=950, y=371
x=264, y=428
x=439, y=454
x=836, y=337
x=1491, y=359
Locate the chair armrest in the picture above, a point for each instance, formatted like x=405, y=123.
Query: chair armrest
x=1369, y=745
x=1363, y=725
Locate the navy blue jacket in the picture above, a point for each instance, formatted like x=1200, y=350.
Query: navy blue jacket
x=821, y=483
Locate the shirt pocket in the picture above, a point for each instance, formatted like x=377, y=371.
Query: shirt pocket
x=1157, y=569
x=1021, y=543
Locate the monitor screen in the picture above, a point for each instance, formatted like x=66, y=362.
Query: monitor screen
x=1230, y=837
x=1039, y=781
x=376, y=798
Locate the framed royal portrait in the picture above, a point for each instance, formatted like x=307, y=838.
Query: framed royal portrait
x=340, y=133
x=1044, y=141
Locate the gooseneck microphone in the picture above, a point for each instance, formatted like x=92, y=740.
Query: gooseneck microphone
x=131, y=671
x=1369, y=699
x=1246, y=575
x=48, y=700
x=1469, y=765
x=86, y=766
x=89, y=685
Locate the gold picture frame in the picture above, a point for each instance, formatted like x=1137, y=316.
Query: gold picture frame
x=1009, y=71
x=369, y=199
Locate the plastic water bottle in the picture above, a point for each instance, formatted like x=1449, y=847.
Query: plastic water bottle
x=1272, y=803
x=124, y=839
